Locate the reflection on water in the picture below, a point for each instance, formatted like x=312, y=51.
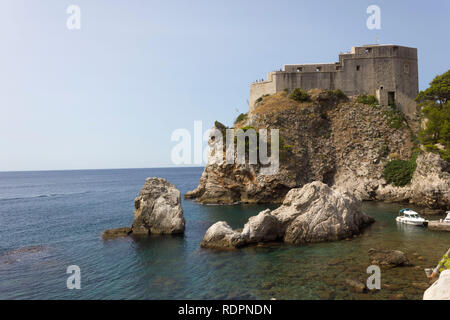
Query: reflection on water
x=68, y=229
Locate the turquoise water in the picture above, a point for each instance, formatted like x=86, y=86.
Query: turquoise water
x=50, y=220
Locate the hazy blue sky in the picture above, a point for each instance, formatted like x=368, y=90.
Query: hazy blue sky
x=110, y=95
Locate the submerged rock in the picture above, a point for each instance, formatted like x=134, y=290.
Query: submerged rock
x=158, y=209
x=388, y=257
x=311, y=214
x=440, y=290
x=356, y=286
x=22, y=253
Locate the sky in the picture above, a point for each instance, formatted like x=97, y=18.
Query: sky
x=110, y=94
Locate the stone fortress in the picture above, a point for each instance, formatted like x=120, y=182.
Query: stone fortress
x=389, y=72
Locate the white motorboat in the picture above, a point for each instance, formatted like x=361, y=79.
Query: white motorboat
x=408, y=216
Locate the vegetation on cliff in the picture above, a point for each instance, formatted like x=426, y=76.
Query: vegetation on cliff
x=394, y=117
x=434, y=106
x=400, y=172
x=367, y=99
x=240, y=118
x=299, y=95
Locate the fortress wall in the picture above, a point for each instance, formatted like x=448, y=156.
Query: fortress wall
x=258, y=89
x=324, y=67
x=304, y=80
x=384, y=71
x=407, y=83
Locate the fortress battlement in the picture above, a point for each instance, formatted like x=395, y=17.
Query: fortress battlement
x=390, y=72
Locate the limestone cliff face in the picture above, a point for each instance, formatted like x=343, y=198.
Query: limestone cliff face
x=340, y=142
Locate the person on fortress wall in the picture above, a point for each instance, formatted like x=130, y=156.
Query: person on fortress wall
x=444, y=264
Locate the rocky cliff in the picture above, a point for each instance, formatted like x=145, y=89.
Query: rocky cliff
x=339, y=141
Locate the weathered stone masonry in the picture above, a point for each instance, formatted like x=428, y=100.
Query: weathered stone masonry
x=389, y=72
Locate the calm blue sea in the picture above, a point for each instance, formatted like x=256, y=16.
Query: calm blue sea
x=52, y=219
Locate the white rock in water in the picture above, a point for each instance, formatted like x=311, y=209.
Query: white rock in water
x=220, y=235
x=317, y=213
x=309, y=214
x=440, y=290
x=158, y=209
x=262, y=227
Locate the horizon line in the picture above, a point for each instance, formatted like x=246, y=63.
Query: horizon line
x=92, y=169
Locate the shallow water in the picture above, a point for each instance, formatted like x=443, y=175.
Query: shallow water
x=50, y=220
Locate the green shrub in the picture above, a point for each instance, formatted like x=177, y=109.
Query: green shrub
x=367, y=99
x=299, y=95
x=339, y=94
x=258, y=100
x=241, y=117
x=286, y=90
x=394, y=117
x=400, y=172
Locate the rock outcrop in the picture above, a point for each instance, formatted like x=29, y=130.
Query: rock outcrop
x=220, y=235
x=158, y=209
x=341, y=142
x=116, y=233
x=391, y=258
x=317, y=213
x=440, y=290
x=313, y=213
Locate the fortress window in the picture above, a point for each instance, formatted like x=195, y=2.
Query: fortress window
x=318, y=69
x=368, y=50
x=338, y=67
x=406, y=68
x=299, y=69
x=358, y=67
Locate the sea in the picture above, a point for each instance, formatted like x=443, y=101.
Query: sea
x=52, y=220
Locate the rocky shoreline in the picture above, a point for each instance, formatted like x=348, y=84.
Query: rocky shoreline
x=343, y=143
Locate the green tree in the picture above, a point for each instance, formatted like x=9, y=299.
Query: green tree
x=434, y=104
